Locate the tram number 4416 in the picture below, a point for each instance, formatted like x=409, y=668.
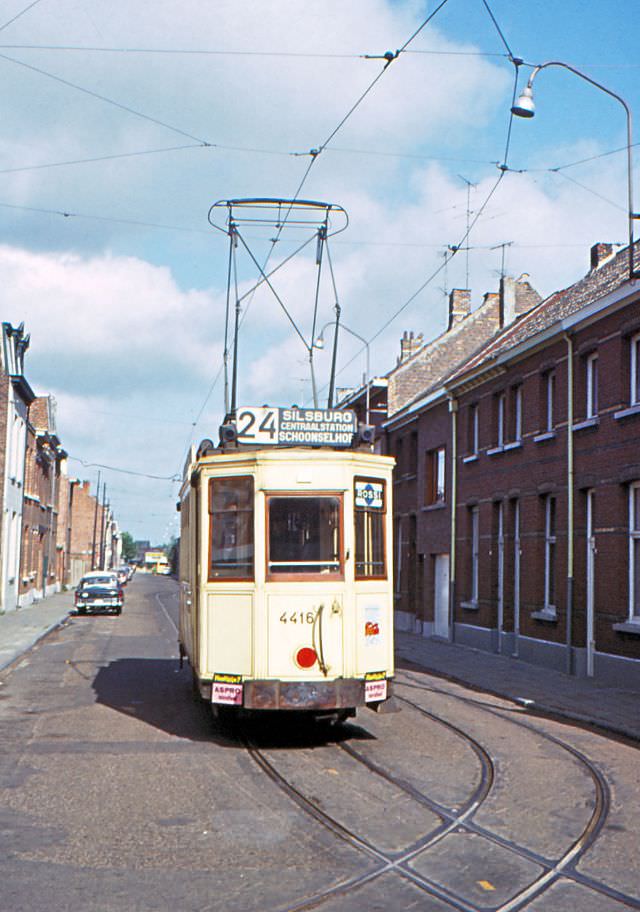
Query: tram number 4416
x=297, y=617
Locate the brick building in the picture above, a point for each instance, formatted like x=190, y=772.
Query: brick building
x=15, y=397
x=43, y=457
x=86, y=525
x=419, y=435
x=517, y=437
x=547, y=500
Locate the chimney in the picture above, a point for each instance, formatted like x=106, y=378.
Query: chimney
x=517, y=297
x=600, y=253
x=459, y=306
x=409, y=345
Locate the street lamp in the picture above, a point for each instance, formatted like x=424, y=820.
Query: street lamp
x=319, y=343
x=525, y=107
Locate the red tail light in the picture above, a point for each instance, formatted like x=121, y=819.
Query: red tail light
x=306, y=657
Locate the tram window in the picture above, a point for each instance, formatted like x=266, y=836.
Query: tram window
x=304, y=535
x=231, y=522
x=370, y=510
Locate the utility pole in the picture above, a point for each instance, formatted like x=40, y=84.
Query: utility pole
x=102, y=525
x=95, y=526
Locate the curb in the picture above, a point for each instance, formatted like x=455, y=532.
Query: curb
x=536, y=708
x=32, y=642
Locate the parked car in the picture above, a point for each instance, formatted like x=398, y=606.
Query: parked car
x=99, y=590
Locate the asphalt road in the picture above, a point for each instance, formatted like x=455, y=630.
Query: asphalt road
x=119, y=792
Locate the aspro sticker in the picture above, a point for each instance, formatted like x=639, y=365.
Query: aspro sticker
x=375, y=690
x=227, y=689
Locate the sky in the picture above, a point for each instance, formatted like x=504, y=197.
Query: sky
x=123, y=123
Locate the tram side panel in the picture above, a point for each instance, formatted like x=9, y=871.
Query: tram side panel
x=226, y=606
x=188, y=580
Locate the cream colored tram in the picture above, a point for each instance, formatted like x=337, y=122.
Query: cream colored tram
x=286, y=596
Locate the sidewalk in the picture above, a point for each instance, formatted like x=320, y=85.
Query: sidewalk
x=21, y=629
x=580, y=699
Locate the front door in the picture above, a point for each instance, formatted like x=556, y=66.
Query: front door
x=441, y=596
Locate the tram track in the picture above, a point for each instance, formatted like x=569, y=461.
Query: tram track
x=398, y=863
x=565, y=865
x=388, y=862
x=458, y=820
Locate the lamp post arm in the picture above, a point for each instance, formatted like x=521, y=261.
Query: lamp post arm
x=366, y=345
x=631, y=214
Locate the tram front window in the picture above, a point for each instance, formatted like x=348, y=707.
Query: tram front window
x=304, y=535
x=231, y=517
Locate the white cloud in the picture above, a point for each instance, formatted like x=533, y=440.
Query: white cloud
x=127, y=322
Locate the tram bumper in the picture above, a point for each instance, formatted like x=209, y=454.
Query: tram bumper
x=343, y=693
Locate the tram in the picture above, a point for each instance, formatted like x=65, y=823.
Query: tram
x=286, y=598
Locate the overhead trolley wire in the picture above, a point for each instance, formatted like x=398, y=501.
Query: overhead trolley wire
x=107, y=100
x=498, y=29
x=100, y=465
x=389, y=57
x=18, y=15
x=455, y=249
x=100, y=158
x=102, y=218
x=213, y=52
x=582, y=186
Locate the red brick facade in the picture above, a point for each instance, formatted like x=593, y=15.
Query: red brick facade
x=545, y=425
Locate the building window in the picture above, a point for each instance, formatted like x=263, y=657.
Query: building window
x=516, y=416
x=370, y=513
x=413, y=453
x=635, y=370
x=550, y=555
x=549, y=400
x=399, y=457
x=475, y=554
x=592, y=385
x=474, y=429
x=634, y=552
x=435, y=492
x=501, y=402
x=231, y=528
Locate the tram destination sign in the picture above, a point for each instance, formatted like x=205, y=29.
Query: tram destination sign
x=296, y=426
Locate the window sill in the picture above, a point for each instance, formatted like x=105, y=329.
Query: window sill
x=547, y=614
x=469, y=606
x=440, y=505
x=628, y=627
x=541, y=438
x=587, y=423
x=473, y=458
x=514, y=445
x=627, y=412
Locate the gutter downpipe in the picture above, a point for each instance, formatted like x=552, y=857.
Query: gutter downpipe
x=453, y=410
x=570, y=506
